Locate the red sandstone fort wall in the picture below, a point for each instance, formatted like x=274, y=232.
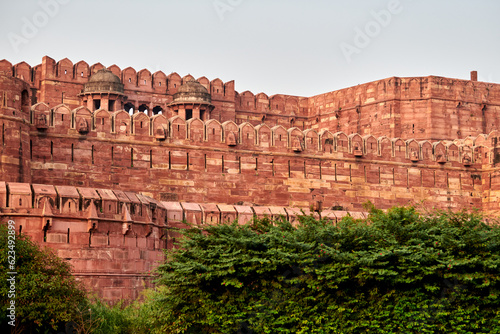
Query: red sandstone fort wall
x=431, y=108
x=197, y=161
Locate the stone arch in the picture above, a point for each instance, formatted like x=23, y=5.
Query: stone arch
x=61, y=116
x=481, y=140
x=102, y=121
x=187, y=78
x=82, y=71
x=22, y=71
x=204, y=82
x=247, y=135
x=295, y=139
x=64, y=69
x=385, y=145
x=280, y=136
x=178, y=128
x=159, y=81
x=41, y=115
x=157, y=110
x=121, y=122
x=174, y=81
x=341, y=142
x=371, y=145
x=145, y=79
x=230, y=131
x=399, y=149
x=96, y=67
x=143, y=108
x=264, y=135
x=217, y=87
x=453, y=152
x=469, y=141
x=129, y=78
x=213, y=131
x=129, y=108
x=196, y=130
x=82, y=119
x=356, y=146
x=494, y=138
x=160, y=127
x=262, y=102
x=439, y=152
x=327, y=141
x=115, y=70
x=247, y=100
x=311, y=140
x=481, y=155
x=276, y=104
x=141, y=124
x=466, y=154
x=413, y=150
x=427, y=150
x=6, y=67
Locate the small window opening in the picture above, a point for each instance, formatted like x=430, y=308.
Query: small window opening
x=81, y=74
x=129, y=79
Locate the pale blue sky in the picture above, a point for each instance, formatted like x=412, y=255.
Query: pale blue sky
x=282, y=46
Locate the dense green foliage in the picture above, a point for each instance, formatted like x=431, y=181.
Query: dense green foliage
x=397, y=272
x=46, y=294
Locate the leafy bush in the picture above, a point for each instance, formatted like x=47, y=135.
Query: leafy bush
x=46, y=294
x=396, y=272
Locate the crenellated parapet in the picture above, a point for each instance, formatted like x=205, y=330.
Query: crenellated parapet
x=159, y=131
x=115, y=239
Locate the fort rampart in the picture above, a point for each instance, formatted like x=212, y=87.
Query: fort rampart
x=100, y=163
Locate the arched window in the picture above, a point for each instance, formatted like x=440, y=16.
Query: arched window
x=129, y=107
x=157, y=110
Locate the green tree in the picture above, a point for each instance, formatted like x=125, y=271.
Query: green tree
x=396, y=272
x=46, y=294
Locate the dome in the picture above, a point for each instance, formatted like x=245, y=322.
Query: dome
x=192, y=92
x=103, y=81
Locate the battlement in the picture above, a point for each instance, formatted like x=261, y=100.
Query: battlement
x=102, y=125
x=114, y=239
x=393, y=107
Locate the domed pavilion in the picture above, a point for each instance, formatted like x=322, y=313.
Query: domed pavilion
x=103, y=90
x=192, y=100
